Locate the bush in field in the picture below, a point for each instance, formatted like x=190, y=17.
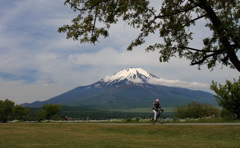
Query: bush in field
x=128, y=120
x=195, y=110
x=210, y=111
x=226, y=114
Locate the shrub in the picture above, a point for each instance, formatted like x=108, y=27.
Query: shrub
x=195, y=110
x=226, y=114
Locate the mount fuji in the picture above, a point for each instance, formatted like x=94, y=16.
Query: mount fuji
x=128, y=89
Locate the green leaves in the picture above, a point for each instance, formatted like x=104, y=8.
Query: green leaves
x=228, y=95
x=173, y=22
x=8, y=110
x=50, y=110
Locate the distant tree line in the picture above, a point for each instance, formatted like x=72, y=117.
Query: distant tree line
x=9, y=111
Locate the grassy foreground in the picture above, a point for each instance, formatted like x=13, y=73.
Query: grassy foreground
x=95, y=135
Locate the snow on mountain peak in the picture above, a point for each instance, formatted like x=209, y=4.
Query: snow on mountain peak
x=136, y=75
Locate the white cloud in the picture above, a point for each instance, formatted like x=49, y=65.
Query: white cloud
x=113, y=57
x=178, y=83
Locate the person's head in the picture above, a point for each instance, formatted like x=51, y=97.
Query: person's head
x=157, y=100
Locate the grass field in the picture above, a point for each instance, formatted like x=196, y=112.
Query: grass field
x=95, y=135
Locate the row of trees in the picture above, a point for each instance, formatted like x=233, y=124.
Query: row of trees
x=10, y=111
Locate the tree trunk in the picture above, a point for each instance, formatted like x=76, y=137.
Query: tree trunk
x=5, y=118
x=218, y=27
x=233, y=58
x=238, y=115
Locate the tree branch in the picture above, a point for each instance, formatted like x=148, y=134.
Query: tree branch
x=220, y=31
x=199, y=50
x=225, y=59
x=195, y=19
x=176, y=12
x=203, y=59
x=235, y=45
x=84, y=9
x=197, y=4
x=95, y=20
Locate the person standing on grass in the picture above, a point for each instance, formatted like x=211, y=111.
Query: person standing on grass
x=155, y=108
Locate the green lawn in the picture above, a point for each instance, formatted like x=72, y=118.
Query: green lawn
x=95, y=135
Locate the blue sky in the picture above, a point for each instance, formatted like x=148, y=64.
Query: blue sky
x=37, y=62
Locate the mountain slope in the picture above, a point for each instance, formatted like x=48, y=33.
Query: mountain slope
x=127, y=89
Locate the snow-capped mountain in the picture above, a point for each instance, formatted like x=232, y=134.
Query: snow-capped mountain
x=127, y=76
x=139, y=76
x=135, y=75
x=130, y=88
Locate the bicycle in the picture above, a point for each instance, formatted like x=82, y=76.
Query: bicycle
x=160, y=118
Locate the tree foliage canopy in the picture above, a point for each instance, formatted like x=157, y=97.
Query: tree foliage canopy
x=6, y=108
x=21, y=111
x=51, y=110
x=172, y=21
x=228, y=95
